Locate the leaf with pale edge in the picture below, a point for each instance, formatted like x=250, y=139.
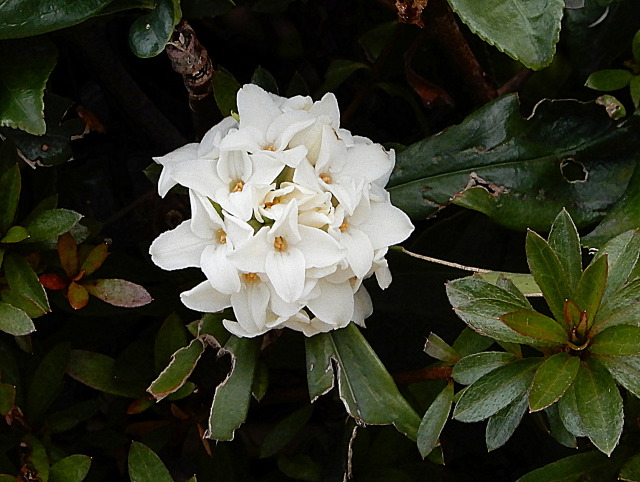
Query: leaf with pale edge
x=471, y=368
x=15, y=321
x=591, y=288
x=434, y=420
x=552, y=379
x=538, y=328
x=182, y=364
x=119, y=292
x=626, y=371
x=146, y=466
x=50, y=224
x=565, y=241
x=24, y=283
x=503, y=424
x=617, y=341
x=437, y=348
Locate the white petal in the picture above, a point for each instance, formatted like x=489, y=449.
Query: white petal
x=169, y=161
x=256, y=107
x=285, y=126
x=286, y=272
x=359, y=250
x=319, y=248
x=209, y=147
x=204, y=298
x=234, y=166
x=250, y=307
x=178, y=248
x=222, y=275
x=249, y=139
x=335, y=303
x=205, y=220
x=387, y=225
x=368, y=161
x=199, y=175
x=363, y=307
x=327, y=106
x=250, y=256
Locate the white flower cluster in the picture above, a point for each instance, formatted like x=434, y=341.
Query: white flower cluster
x=289, y=215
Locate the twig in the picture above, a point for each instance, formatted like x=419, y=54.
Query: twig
x=446, y=263
x=436, y=373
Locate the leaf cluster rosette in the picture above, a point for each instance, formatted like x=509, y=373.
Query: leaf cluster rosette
x=589, y=344
x=289, y=216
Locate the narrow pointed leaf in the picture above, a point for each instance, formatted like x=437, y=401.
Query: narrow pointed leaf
x=586, y=466
x=15, y=321
x=548, y=273
x=495, y=390
x=437, y=348
x=10, y=189
x=591, y=288
x=145, y=466
x=182, y=364
x=600, y=405
x=621, y=308
x=471, y=368
x=15, y=234
x=23, y=281
x=569, y=415
x=434, y=420
x=320, y=376
x=52, y=223
x=47, y=381
x=565, y=241
x=232, y=397
x=621, y=340
x=557, y=429
x=626, y=371
x=503, y=424
x=73, y=468
x=538, y=328
x=552, y=379
x=622, y=254
x=119, y=292
x=225, y=88
x=95, y=259
x=68, y=254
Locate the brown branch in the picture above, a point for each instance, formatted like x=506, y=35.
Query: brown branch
x=435, y=373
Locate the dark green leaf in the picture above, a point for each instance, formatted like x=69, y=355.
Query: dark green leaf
x=233, y=396
x=540, y=329
x=621, y=308
x=626, y=371
x=613, y=107
x=150, y=33
x=47, y=381
x=366, y=388
x=21, y=88
x=552, y=379
x=50, y=224
x=10, y=189
x=495, y=390
x=24, y=282
x=119, y=292
x=338, y=72
x=558, y=430
x=299, y=467
x=225, y=88
x=548, y=273
x=591, y=288
x=470, y=342
x=36, y=458
x=73, y=468
x=284, y=431
x=565, y=241
x=503, y=424
x=434, y=420
x=182, y=364
x=621, y=340
x=15, y=321
x=634, y=88
x=569, y=415
x=599, y=404
x=98, y=371
x=622, y=254
x=263, y=78
x=170, y=338
x=15, y=234
x=481, y=154
x=145, y=465
x=631, y=470
x=211, y=326
x=586, y=466
x=472, y=367
x=260, y=380
x=437, y=348
x=537, y=25
x=95, y=259
x=7, y=398
x=635, y=46
x=608, y=80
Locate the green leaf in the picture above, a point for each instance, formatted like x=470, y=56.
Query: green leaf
x=622, y=254
x=119, y=292
x=36, y=457
x=621, y=340
x=47, y=381
x=599, y=404
x=95, y=259
x=10, y=188
x=471, y=368
x=626, y=371
x=538, y=328
x=548, y=273
x=526, y=31
x=15, y=234
x=263, y=78
x=233, y=396
x=473, y=164
x=565, y=241
x=634, y=88
x=22, y=88
x=591, y=288
x=7, y=398
x=260, y=380
x=503, y=424
x=635, y=46
x=437, y=348
x=98, y=371
x=586, y=466
x=300, y=467
x=569, y=415
x=495, y=390
x=622, y=308
x=68, y=254
x=284, y=431
x=182, y=364
x=225, y=88
x=170, y=338
x=552, y=379
x=15, y=321
x=609, y=79
x=523, y=282
x=366, y=388
x=338, y=72
x=52, y=223
x=146, y=466
x=77, y=295
x=150, y=33
x=557, y=429
x=434, y=420
x=24, y=282
x=73, y=468
x=470, y=342
x=211, y=326
x=630, y=471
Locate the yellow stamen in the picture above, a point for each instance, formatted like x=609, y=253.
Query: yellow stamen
x=238, y=187
x=325, y=178
x=344, y=226
x=250, y=277
x=222, y=236
x=275, y=201
x=270, y=148
x=279, y=244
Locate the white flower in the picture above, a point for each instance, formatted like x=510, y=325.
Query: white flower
x=289, y=216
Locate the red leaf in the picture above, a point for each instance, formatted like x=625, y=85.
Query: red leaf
x=52, y=281
x=77, y=295
x=119, y=292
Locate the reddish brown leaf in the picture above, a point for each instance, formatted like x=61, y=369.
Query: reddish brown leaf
x=119, y=292
x=52, y=281
x=77, y=295
x=95, y=258
x=68, y=253
x=411, y=11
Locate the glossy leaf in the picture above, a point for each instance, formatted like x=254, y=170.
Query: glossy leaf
x=73, y=468
x=569, y=414
x=233, y=396
x=565, y=241
x=585, y=466
x=150, y=33
x=608, y=80
x=552, y=379
x=47, y=381
x=225, y=88
x=365, y=387
x=621, y=340
x=265, y=79
x=15, y=234
x=119, y=292
x=503, y=424
x=474, y=163
x=622, y=254
x=548, y=273
x=50, y=224
x=15, y=321
x=22, y=89
x=182, y=364
x=10, y=188
x=95, y=259
x=622, y=308
x=437, y=348
x=284, y=431
x=538, y=328
x=7, y=398
x=600, y=405
x=23, y=281
x=591, y=288
x=626, y=371
x=434, y=420
x=495, y=390
x=557, y=429
x=145, y=466
x=98, y=371
x=473, y=367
